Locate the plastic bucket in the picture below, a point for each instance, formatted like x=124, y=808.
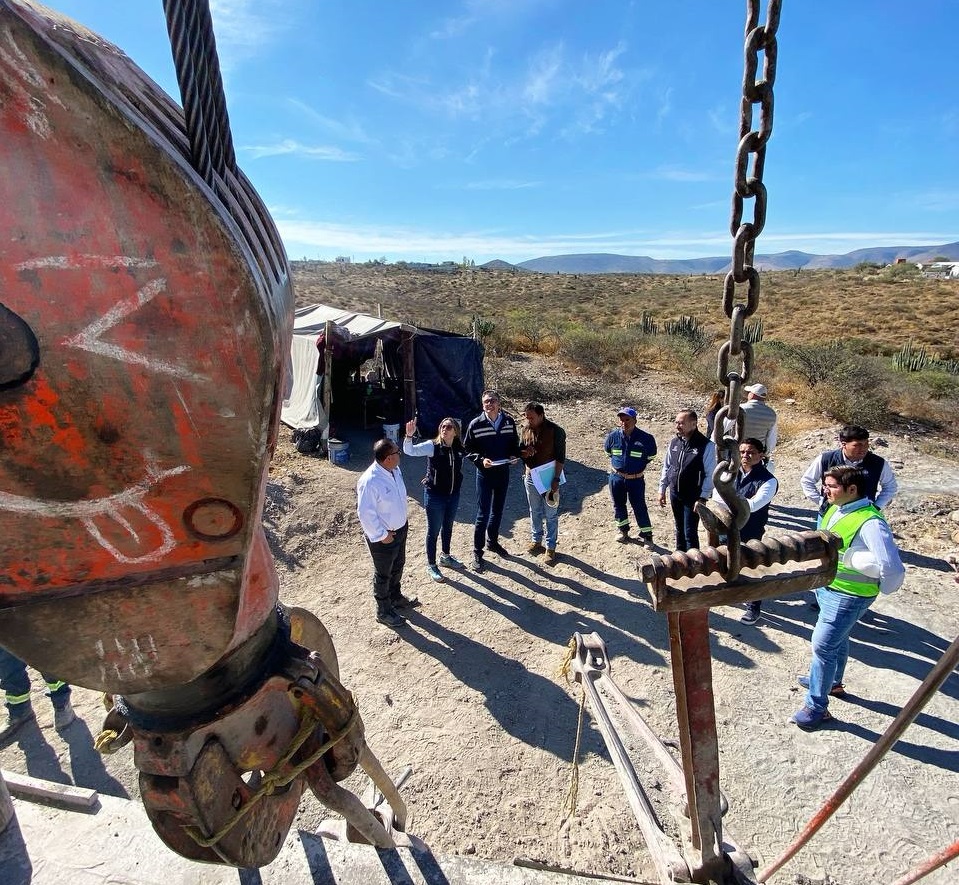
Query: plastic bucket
x=339, y=451
x=392, y=432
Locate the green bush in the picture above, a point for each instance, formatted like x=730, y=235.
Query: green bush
x=598, y=350
x=855, y=390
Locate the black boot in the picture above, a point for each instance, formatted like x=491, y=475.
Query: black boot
x=386, y=614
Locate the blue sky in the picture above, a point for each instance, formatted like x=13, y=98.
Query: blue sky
x=513, y=129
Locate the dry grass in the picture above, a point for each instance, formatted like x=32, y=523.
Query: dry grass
x=593, y=323
x=877, y=310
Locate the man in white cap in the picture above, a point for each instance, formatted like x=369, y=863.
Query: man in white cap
x=760, y=420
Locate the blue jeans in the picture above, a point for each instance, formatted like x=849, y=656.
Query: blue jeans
x=491, y=488
x=539, y=513
x=440, y=516
x=687, y=524
x=16, y=683
x=838, y=613
x=633, y=490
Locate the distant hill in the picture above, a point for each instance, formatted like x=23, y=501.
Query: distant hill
x=606, y=263
x=498, y=264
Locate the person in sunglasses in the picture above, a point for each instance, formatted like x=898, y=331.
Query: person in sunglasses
x=869, y=564
x=441, y=489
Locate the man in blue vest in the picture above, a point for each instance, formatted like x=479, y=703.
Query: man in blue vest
x=879, y=485
x=688, y=477
x=758, y=486
x=630, y=450
x=869, y=564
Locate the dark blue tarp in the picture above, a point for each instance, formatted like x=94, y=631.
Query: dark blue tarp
x=449, y=380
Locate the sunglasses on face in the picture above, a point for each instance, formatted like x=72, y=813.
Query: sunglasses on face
x=447, y=427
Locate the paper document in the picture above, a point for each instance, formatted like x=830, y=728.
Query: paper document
x=542, y=476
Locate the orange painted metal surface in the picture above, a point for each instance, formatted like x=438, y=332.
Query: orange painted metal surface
x=144, y=323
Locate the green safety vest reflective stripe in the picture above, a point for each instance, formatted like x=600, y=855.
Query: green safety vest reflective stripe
x=13, y=699
x=847, y=579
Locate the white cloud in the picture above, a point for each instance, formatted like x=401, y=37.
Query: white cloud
x=345, y=130
x=244, y=27
x=325, y=239
x=675, y=173
x=944, y=200
x=502, y=184
x=289, y=146
x=573, y=96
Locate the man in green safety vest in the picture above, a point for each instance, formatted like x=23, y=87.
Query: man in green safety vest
x=869, y=564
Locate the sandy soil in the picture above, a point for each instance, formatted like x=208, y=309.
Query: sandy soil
x=467, y=692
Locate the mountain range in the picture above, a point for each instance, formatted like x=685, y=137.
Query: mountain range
x=596, y=263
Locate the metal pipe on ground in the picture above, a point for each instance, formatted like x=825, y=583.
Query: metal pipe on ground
x=930, y=685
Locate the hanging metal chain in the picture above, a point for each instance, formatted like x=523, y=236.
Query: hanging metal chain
x=190, y=27
x=748, y=184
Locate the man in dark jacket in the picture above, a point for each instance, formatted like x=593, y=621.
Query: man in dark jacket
x=492, y=444
x=630, y=451
x=687, y=476
x=543, y=443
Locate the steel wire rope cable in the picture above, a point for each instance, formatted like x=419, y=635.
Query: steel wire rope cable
x=190, y=27
x=748, y=184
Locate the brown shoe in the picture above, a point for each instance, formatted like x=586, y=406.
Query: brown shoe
x=535, y=548
x=550, y=558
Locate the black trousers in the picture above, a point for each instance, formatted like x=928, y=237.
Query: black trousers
x=388, y=563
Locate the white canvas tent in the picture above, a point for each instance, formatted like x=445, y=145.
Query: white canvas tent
x=302, y=408
x=427, y=372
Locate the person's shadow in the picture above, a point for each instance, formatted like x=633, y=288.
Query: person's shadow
x=86, y=762
x=547, y=717
x=41, y=758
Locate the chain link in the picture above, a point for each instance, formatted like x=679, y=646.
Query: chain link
x=748, y=184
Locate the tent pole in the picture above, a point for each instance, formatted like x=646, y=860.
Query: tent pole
x=327, y=370
x=409, y=373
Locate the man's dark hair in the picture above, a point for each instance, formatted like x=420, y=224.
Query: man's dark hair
x=535, y=407
x=383, y=448
x=848, y=476
x=757, y=444
x=689, y=412
x=852, y=433
x=490, y=392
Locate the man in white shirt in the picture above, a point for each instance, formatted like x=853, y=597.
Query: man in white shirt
x=869, y=564
x=381, y=507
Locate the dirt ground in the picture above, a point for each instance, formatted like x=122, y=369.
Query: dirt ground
x=467, y=692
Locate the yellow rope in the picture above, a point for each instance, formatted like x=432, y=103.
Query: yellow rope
x=274, y=779
x=572, y=794
x=104, y=741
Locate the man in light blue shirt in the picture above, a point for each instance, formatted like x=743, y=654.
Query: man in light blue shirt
x=869, y=564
